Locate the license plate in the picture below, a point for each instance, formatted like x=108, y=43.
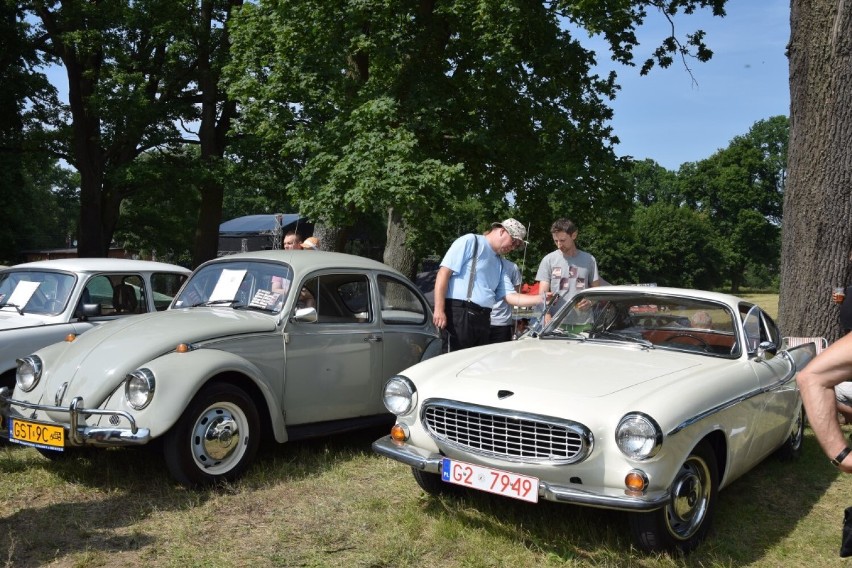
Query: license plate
x=39, y=435
x=491, y=480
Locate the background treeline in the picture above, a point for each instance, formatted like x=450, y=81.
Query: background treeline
x=399, y=124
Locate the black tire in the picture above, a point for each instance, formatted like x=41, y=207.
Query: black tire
x=7, y=379
x=215, y=439
x=792, y=447
x=684, y=522
x=431, y=483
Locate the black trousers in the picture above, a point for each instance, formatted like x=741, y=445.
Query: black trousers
x=500, y=333
x=468, y=325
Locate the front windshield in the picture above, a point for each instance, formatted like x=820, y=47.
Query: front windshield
x=240, y=284
x=35, y=291
x=682, y=324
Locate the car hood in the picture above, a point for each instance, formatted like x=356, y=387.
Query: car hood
x=97, y=361
x=564, y=377
x=10, y=319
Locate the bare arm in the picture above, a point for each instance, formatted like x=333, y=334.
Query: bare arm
x=816, y=384
x=442, y=281
x=526, y=300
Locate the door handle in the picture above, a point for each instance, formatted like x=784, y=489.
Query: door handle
x=373, y=338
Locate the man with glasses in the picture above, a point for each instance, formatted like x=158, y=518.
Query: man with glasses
x=471, y=280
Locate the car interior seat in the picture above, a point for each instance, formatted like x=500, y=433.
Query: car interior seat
x=124, y=299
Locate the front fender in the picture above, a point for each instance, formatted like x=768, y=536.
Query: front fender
x=180, y=376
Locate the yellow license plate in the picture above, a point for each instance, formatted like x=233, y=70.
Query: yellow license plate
x=35, y=434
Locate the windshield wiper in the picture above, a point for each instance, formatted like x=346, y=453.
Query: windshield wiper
x=217, y=303
x=619, y=336
x=562, y=333
x=255, y=307
x=20, y=309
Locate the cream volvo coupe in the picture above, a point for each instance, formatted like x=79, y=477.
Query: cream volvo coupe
x=282, y=344
x=641, y=399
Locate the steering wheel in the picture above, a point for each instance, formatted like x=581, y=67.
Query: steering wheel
x=700, y=342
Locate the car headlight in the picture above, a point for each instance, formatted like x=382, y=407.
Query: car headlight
x=400, y=395
x=638, y=436
x=139, y=388
x=29, y=372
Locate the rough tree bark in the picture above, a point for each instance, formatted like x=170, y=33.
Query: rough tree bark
x=397, y=254
x=816, y=248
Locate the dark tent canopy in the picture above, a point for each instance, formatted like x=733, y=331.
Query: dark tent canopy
x=257, y=232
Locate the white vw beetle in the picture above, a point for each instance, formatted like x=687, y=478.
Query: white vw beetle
x=646, y=400
x=282, y=344
x=42, y=302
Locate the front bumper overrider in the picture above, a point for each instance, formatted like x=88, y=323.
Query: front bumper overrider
x=76, y=432
x=615, y=499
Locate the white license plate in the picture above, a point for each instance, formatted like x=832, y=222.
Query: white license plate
x=491, y=480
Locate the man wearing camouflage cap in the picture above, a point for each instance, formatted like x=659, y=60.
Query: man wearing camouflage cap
x=471, y=280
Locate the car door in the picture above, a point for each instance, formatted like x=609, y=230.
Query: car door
x=775, y=374
x=333, y=367
x=406, y=320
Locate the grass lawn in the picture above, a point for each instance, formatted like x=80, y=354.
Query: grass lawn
x=333, y=502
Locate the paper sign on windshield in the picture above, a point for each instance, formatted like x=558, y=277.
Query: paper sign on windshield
x=227, y=286
x=23, y=292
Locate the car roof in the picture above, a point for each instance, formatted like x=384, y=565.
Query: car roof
x=101, y=265
x=312, y=260
x=728, y=299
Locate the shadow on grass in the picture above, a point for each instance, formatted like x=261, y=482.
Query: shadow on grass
x=102, y=493
x=753, y=515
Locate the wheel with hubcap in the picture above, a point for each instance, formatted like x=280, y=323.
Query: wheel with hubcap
x=792, y=447
x=432, y=484
x=215, y=439
x=683, y=523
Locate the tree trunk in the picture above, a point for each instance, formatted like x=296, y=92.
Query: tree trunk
x=212, y=134
x=816, y=249
x=397, y=254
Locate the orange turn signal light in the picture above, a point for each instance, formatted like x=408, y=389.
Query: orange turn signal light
x=182, y=348
x=399, y=433
x=636, y=481
x=70, y=337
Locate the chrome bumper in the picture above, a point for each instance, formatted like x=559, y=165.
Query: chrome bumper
x=431, y=463
x=75, y=434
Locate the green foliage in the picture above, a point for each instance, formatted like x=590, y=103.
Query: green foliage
x=386, y=105
x=160, y=220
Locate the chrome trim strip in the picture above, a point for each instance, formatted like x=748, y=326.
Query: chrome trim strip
x=431, y=463
x=586, y=438
x=725, y=405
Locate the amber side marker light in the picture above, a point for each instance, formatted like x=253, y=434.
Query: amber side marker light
x=70, y=337
x=398, y=433
x=636, y=482
x=182, y=348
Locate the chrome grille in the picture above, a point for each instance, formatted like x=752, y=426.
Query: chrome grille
x=512, y=436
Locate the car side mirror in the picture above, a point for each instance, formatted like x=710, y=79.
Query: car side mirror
x=764, y=348
x=307, y=315
x=86, y=311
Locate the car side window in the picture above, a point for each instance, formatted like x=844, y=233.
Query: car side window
x=116, y=294
x=400, y=305
x=337, y=298
x=759, y=328
x=164, y=287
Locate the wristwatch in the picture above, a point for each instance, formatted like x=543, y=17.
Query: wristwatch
x=841, y=456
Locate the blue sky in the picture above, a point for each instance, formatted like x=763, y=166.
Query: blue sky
x=665, y=117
